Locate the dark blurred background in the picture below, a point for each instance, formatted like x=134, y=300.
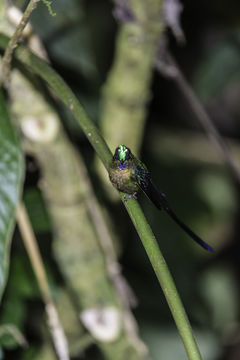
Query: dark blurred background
x=80, y=42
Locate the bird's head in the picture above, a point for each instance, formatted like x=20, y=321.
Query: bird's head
x=122, y=153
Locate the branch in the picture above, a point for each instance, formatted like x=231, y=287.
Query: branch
x=170, y=69
x=127, y=89
x=7, y=58
x=30, y=242
x=39, y=67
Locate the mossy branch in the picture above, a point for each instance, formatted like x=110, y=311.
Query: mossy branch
x=39, y=67
x=7, y=58
x=127, y=89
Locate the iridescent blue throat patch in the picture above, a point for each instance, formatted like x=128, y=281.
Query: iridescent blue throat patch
x=122, y=166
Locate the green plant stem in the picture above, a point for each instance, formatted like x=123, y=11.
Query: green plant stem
x=6, y=61
x=164, y=276
x=41, y=68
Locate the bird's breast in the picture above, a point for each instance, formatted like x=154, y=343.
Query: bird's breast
x=123, y=177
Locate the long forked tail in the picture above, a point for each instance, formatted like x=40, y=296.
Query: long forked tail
x=159, y=200
x=194, y=236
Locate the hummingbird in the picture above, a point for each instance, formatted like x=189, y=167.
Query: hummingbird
x=128, y=174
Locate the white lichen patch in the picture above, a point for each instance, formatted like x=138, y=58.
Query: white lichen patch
x=103, y=323
x=40, y=129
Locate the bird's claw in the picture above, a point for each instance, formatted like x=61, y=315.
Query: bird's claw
x=134, y=195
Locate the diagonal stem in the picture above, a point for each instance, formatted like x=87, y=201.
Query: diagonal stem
x=41, y=68
x=171, y=70
x=30, y=242
x=7, y=57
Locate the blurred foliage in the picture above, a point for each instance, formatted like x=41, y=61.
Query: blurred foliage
x=21, y=288
x=161, y=340
x=37, y=210
x=219, y=69
x=67, y=35
x=80, y=43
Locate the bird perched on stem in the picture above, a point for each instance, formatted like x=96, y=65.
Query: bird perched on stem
x=128, y=174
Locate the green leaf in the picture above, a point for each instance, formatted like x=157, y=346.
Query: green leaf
x=11, y=179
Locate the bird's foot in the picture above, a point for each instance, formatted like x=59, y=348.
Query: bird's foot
x=134, y=195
